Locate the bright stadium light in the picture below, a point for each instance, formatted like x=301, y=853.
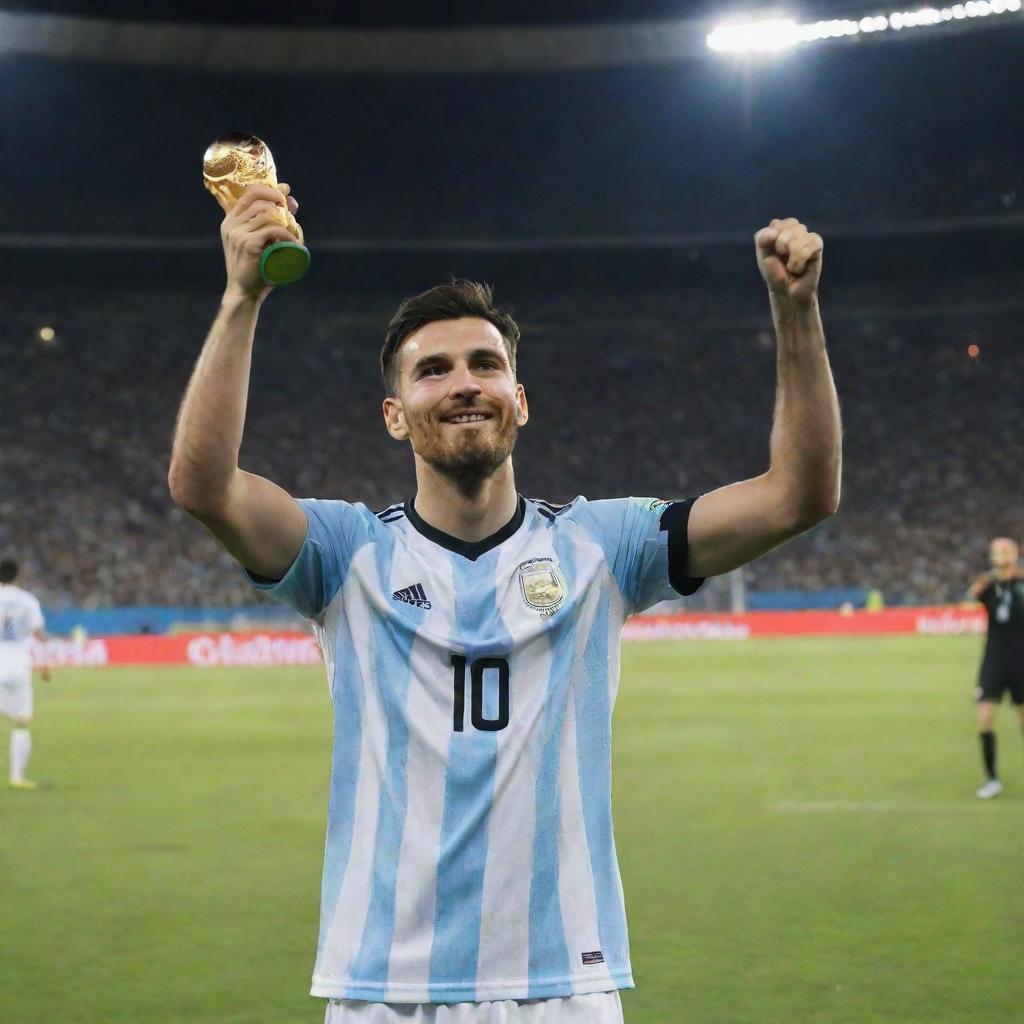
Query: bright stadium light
x=771, y=35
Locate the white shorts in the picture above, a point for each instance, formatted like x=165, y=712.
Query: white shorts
x=16, y=697
x=596, y=1008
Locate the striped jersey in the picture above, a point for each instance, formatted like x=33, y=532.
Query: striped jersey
x=20, y=617
x=469, y=852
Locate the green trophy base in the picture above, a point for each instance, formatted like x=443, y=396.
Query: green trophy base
x=284, y=263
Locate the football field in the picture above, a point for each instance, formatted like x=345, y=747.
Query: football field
x=796, y=821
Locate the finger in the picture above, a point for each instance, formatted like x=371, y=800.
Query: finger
x=244, y=237
x=255, y=193
x=267, y=236
x=783, y=241
x=261, y=206
x=792, y=232
x=255, y=246
x=804, y=254
x=795, y=241
x=765, y=238
x=286, y=191
x=797, y=262
x=241, y=229
x=256, y=225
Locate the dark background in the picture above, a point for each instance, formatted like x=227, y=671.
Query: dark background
x=849, y=137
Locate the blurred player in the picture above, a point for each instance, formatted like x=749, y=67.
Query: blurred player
x=472, y=642
x=21, y=618
x=1001, y=591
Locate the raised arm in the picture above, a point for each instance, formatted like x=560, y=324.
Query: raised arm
x=257, y=522
x=735, y=524
x=979, y=586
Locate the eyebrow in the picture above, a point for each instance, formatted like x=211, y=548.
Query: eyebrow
x=443, y=357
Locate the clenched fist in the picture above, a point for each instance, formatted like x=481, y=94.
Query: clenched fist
x=790, y=259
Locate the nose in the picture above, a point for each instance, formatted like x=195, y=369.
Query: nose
x=463, y=383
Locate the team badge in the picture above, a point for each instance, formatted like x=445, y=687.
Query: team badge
x=542, y=584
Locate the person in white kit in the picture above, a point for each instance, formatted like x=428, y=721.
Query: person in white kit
x=21, y=619
x=471, y=641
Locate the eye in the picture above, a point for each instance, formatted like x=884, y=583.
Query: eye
x=487, y=364
x=431, y=371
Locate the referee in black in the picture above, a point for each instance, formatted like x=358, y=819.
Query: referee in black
x=1001, y=591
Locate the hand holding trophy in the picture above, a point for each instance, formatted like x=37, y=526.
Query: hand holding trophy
x=231, y=165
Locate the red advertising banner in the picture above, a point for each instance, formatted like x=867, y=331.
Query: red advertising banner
x=204, y=650
x=254, y=650
x=943, y=620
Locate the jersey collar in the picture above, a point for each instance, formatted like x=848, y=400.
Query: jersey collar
x=468, y=549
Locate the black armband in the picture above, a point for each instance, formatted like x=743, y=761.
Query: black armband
x=675, y=521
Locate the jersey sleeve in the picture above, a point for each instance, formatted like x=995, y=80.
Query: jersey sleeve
x=645, y=541
x=332, y=536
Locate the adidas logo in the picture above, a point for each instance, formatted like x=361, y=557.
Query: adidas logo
x=413, y=595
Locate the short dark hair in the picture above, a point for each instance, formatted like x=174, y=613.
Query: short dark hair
x=450, y=301
x=8, y=570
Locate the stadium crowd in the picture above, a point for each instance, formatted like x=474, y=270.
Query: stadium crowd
x=995, y=187
x=631, y=393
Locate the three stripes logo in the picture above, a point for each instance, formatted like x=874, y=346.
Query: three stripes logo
x=550, y=511
x=414, y=595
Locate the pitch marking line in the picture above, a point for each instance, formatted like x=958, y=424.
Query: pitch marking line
x=874, y=807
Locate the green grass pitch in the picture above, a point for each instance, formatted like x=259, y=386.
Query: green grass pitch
x=797, y=830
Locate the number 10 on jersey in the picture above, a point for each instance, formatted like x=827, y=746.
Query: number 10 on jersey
x=482, y=672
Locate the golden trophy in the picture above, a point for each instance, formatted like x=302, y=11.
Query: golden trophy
x=232, y=163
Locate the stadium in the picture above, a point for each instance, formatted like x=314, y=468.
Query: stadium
x=795, y=758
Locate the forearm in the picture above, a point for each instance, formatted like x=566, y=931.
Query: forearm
x=806, y=432
x=211, y=421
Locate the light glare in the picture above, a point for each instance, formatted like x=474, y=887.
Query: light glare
x=772, y=35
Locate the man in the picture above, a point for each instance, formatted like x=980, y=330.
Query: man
x=21, y=618
x=1001, y=591
x=471, y=639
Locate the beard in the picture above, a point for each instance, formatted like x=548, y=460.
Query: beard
x=472, y=456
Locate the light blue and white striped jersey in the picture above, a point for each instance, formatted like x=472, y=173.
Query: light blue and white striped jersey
x=469, y=851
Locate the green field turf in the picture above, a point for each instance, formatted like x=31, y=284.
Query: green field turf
x=797, y=829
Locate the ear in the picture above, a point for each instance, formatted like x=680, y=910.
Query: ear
x=522, y=408
x=394, y=419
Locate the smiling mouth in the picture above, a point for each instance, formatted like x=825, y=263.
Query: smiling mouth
x=472, y=417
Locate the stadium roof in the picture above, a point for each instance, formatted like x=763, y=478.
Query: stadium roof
x=412, y=13
x=215, y=39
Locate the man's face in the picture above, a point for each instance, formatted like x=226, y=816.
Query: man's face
x=458, y=401
x=1003, y=552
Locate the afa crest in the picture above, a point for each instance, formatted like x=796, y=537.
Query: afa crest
x=542, y=584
